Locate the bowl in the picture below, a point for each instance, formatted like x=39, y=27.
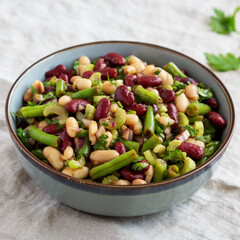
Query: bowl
x=113, y=200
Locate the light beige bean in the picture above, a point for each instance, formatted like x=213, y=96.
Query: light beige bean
x=84, y=60
x=81, y=84
x=54, y=157
x=153, y=90
x=113, y=108
x=196, y=142
x=149, y=70
x=39, y=97
x=131, y=119
x=149, y=174
x=72, y=127
x=74, y=78
x=108, y=87
x=167, y=130
x=68, y=153
x=139, y=66
x=38, y=86
x=64, y=100
x=166, y=77
x=42, y=124
x=133, y=59
x=138, y=182
x=118, y=82
x=102, y=156
x=100, y=131
x=166, y=121
x=109, y=139
x=181, y=103
x=191, y=92
x=129, y=69
x=79, y=173
x=93, y=128
x=28, y=96
x=86, y=122
x=81, y=69
x=122, y=182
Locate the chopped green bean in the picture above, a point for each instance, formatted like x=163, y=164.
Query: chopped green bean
x=173, y=70
x=151, y=143
x=149, y=123
x=87, y=93
x=130, y=145
x=60, y=87
x=147, y=96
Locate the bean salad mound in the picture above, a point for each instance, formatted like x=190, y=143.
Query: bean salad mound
x=120, y=121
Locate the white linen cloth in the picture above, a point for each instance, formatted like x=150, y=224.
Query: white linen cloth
x=29, y=30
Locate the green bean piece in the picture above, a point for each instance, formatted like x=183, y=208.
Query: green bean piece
x=32, y=111
x=205, y=138
x=159, y=131
x=87, y=93
x=197, y=108
x=69, y=94
x=149, y=123
x=113, y=165
x=60, y=87
x=151, y=143
x=173, y=171
x=85, y=149
x=174, y=70
x=147, y=96
x=56, y=108
x=82, y=133
x=160, y=170
x=130, y=145
x=43, y=137
x=39, y=154
x=90, y=111
x=188, y=166
x=195, y=118
x=183, y=119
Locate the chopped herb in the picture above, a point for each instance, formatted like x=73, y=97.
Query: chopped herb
x=201, y=85
x=208, y=127
x=55, y=121
x=179, y=93
x=176, y=155
x=204, y=93
x=23, y=136
x=39, y=154
x=48, y=120
x=76, y=65
x=131, y=112
x=17, y=114
x=94, y=61
x=49, y=95
x=162, y=126
x=33, y=103
x=59, y=127
x=104, y=124
x=127, y=60
x=119, y=104
x=178, y=85
x=101, y=142
x=157, y=72
x=33, y=91
x=193, y=132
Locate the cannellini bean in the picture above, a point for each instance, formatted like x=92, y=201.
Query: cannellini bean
x=133, y=59
x=113, y=108
x=149, y=70
x=196, y=142
x=42, y=124
x=72, y=127
x=100, y=131
x=39, y=97
x=68, y=153
x=139, y=66
x=81, y=69
x=166, y=121
x=74, y=78
x=54, y=157
x=131, y=119
x=84, y=60
x=79, y=173
x=93, y=128
x=82, y=84
x=86, y=122
x=191, y=92
x=166, y=77
x=138, y=182
x=181, y=103
x=109, y=139
x=64, y=100
x=137, y=128
x=28, y=96
x=122, y=182
x=149, y=174
x=108, y=87
x=38, y=86
x=102, y=156
x=129, y=70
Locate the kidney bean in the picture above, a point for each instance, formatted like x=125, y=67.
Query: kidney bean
x=216, y=119
x=100, y=64
x=53, y=129
x=173, y=113
x=56, y=71
x=119, y=147
x=212, y=103
x=130, y=80
x=155, y=108
x=64, y=77
x=70, y=88
x=79, y=142
x=186, y=80
x=167, y=95
x=131, y=175
x=139, y=108
x=193, y=151
x=146, y=168
x=115, y=59
x=102, y=109
x=71, y=73
x=149, y=81
x=72, y=106
x=111, y=72
x=48, y=89
x=123, y=95
x=88, y=74
x=65, y=141
x=47, y=79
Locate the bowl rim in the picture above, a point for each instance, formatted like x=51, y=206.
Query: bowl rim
x=82, y=182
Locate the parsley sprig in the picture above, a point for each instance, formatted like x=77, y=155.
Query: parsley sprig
x=101, y=142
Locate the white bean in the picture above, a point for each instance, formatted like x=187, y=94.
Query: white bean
x=102, y=156
x=54, y=157
x=181, y=103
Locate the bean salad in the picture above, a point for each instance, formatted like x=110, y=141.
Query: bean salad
x=118, y=120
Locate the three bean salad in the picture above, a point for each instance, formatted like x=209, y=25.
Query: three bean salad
x=120, y=121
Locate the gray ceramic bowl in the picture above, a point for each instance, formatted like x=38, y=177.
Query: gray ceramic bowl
x=118, y=200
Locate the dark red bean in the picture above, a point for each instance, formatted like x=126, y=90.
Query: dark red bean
x=64, y=77
x=155, y=108
x=167, y=95
x=56, y=71
x=88, y=74
x=146, y=168
x=100, y=64
x=79, y=142
x=71, y=73
x=212, y=103
x=131, y=175
x=123, y=95
x=216, y=119
x=149, y=81
x=193, y=151
x=111, y=72
x=65, y=141
x=47, y=79
x=72, y=106
x=70, y=88
x=53, y=129
x=48, y=89
x=183, y=70
x=186, y=80
x=139, y=108
x=115, y=59
x=119, y=147
x=173, y=113
x=102, y=109
x=130, y=80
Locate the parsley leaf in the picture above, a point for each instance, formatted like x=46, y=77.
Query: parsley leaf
x=33, y=91
x=101, y=142
x=223, y=63
x=204, y=93
x=193, y=132
x=176, y=155
x=33, y=103
x=223, y=24
x=157, y=72
x=75, y=65
x=131, y=112
x=23, y=136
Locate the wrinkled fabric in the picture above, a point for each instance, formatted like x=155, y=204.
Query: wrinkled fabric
x=29, y=30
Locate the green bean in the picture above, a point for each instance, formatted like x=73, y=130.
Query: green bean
x=195, y=118
x=173, y=171
x=147, y=96
x=60, y=87
x=197, y=108
x=113, y=165
x=85, y=149
x=32, y=111
x=151, y=143
x=173, y=70
x=43, y=137
x=87, y=93
x=160, y=169
x=130, y=145
x=149, y=123
x=69, y=94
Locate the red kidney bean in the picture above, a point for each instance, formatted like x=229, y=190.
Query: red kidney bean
x=123, y=95
x=102, y=109
x=186, y=80
x=149, y=81
x=64, y=77
x=216, y=119
x=167, y=95
x=53, y=129
x=65, y=141
x=155, y=108
x=70, y=88
x=56, y=71
x=212, y=103
x=139, y=108
x=193, y=151
x=130, y=80
x=88, y=74
x=48, y=89
x=111, y=72
x=47, y=79
x=72, y=106
x=100, y=64
x=173, y=113
x=71, y=73
x=119, y=147
x=115, y=59
x=131, y=175
x=79, y=142
x=146, y=168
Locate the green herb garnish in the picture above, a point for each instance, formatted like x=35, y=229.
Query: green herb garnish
x=157, y=72
x=101, y=142
x=193, y=132
x=76, y=65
